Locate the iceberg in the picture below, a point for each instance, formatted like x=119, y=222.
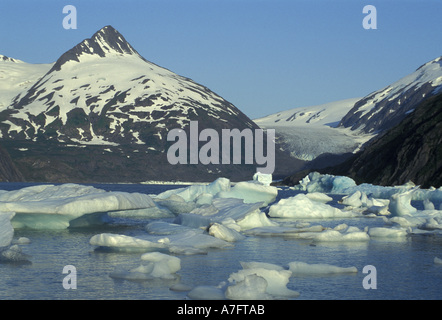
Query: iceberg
x=187, y=242
x=300, y=206
x=225, y=233
x=252, y=287
x=155, y=265
x=251, y=192
x=327, y=183
x=276, y=281
x=400, y=203
x=57, y=206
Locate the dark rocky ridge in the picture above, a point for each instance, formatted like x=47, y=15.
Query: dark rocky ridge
x=411, y=151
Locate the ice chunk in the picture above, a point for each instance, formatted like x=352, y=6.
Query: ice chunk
x=316, y=182
x=300, y=206
x=222, y=232
x=251, y=192
x=276, y=280
x=13, y=254
x=255, y=219
x=263, y=178
x=57, y=205
x=400, y=203
x=353, y=200
x=302, y=268
x=187, y=242
x=192, y=192
x=380, y=232
x=155, y=265
x=252, y=287
x=164, y=266
x=437, y=260
x=123, y=242
x=6, y=229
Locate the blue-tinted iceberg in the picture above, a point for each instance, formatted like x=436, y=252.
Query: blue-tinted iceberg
x=60, y=206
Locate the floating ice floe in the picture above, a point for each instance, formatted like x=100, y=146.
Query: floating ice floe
x=256, y=191
x=155, y=265
x=301, y=206
x=303, y=268
x=10, y=252
x=61, y=206
x=275, y=278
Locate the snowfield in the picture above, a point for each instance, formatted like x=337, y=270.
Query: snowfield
x=193, y=220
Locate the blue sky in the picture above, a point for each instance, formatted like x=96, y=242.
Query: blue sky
x=264, y=56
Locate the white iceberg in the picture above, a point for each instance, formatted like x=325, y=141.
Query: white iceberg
x=277, y=281
x=316, y=182
x=252, y=287
x=125, y=243
x=300, y=206
x=155, y=265
x=57, y=206
x=400, y=203
x=225, y=233
x=251, y=192
x=187, y=242
x=192, y=192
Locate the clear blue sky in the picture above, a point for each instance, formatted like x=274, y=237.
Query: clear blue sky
x=263, y=56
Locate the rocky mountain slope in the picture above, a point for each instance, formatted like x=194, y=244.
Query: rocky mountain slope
x=410, y=151
x=385, y=108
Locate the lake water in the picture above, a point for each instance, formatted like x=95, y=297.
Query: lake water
x=405, y=269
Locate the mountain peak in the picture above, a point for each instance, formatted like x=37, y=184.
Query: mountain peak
x=106, y=41
x=8, y=59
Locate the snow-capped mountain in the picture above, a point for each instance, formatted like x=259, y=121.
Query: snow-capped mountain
x=103, y=92
x=309, y=132
x=345, y=126
x=102, y=113
x=387, y=107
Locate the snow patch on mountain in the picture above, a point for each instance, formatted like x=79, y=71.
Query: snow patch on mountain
x=382, y=109
x=17, y=76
